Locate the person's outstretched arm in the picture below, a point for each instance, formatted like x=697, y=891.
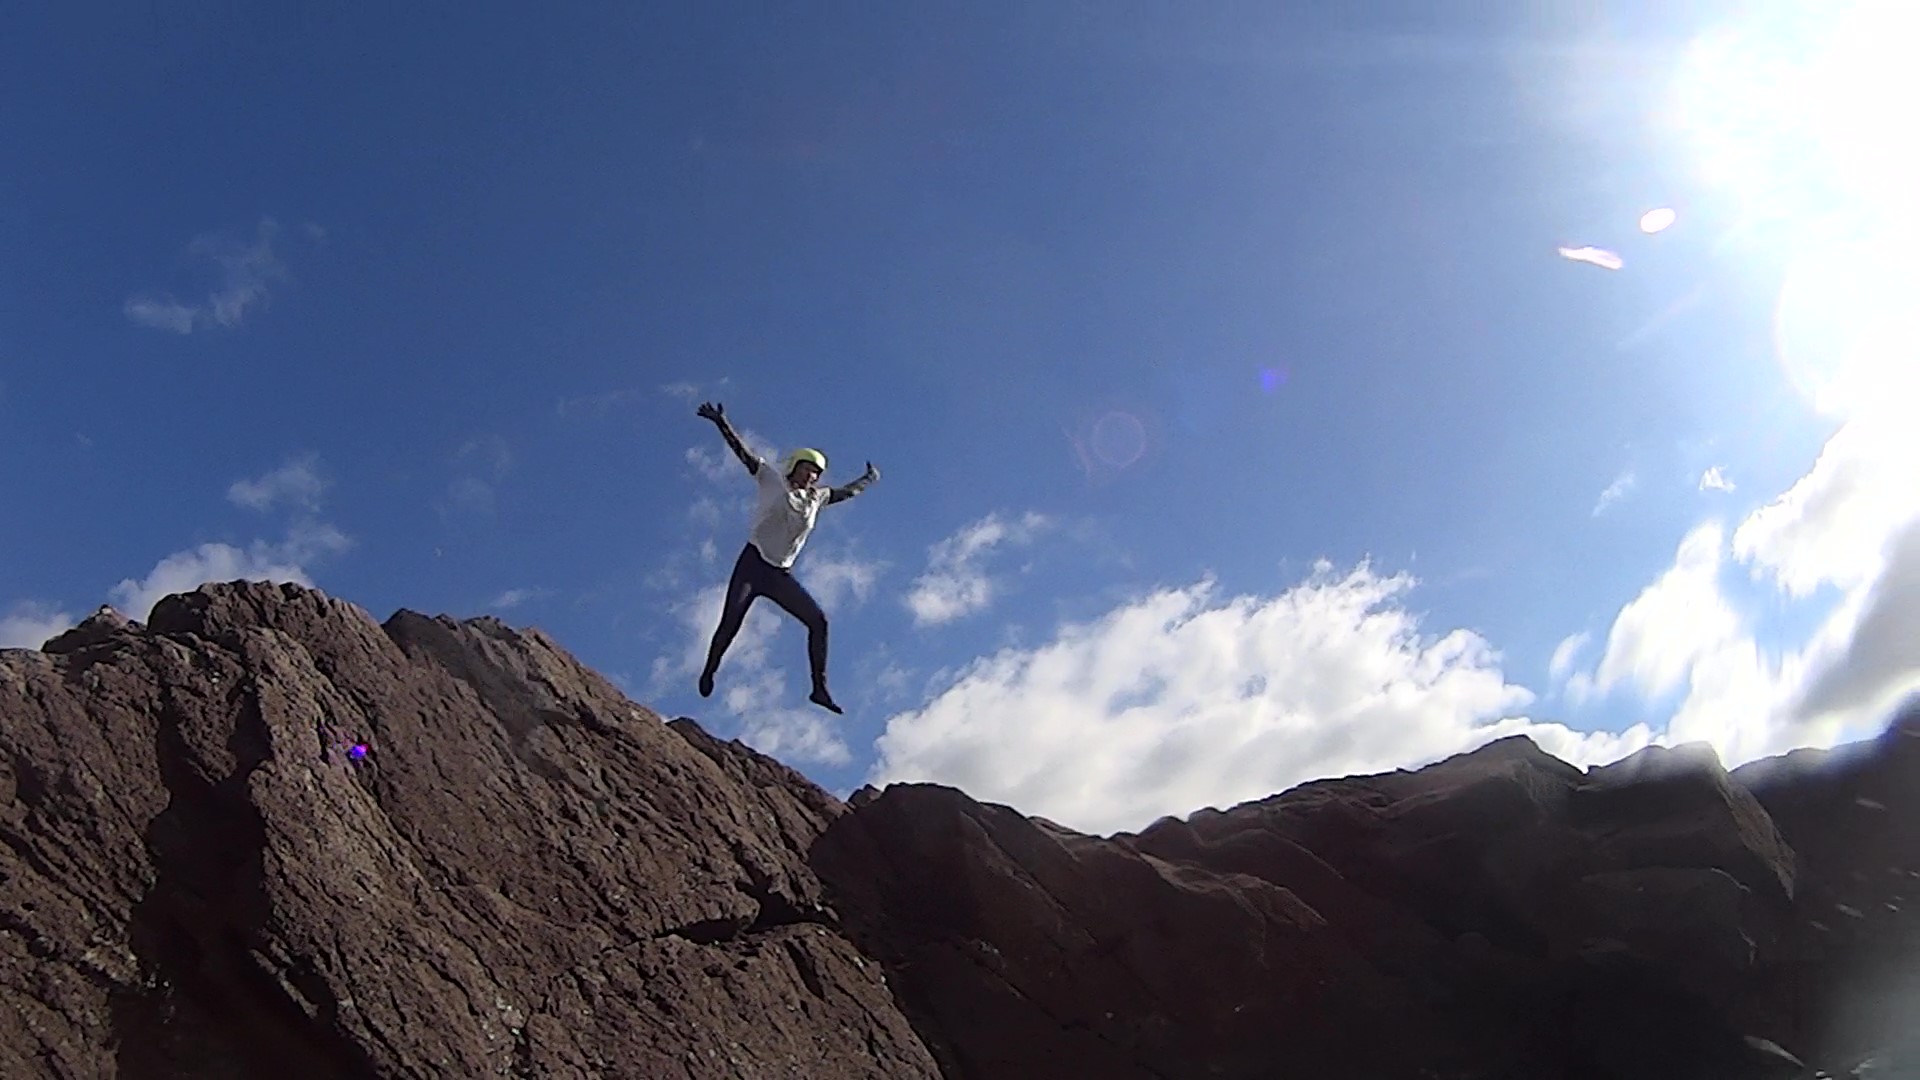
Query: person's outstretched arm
x=858, y=485
x=714, y=412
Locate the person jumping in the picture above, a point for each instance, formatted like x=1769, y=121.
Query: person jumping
x=790, y=500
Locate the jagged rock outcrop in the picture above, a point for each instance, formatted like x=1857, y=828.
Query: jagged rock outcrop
x=264, y=834
x=525, y=874
x=1497, y=914
x=1848, y=973
x=1500, y=914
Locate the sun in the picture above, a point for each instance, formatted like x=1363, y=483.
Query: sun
x=1803, y=117
x=1861, y=88
x=1847, y=331
x=1807, y=106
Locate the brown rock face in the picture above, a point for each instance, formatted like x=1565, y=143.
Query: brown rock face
x=1497, y=914
x=1849, y=969
x=526, y=874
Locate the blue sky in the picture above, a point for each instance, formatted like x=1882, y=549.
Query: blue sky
x=1239, y=421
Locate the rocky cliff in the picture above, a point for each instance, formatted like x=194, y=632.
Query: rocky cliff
x=264, y=834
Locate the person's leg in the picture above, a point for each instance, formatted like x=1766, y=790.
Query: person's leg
x=785, y=589
x=741, y=591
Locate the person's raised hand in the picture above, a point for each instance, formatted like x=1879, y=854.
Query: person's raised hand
x=711, y=411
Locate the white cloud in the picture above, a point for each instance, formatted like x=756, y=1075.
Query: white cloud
x=160, y=314
x=486, y=454
x=1736, y=701
x=184, y=571
x=1849, y=524
x=683, y=390
x=1183, y=699
x=1715, y=479
x=955, y=584
x=298, y=482
x=28, y=625
x=1674, y=621
x=513, y=598
x=793, y=735
x=718, y=465
x=705, y=511
x=479, y=464
x=1740, y=698
x=697, y=614
x=777, y=730
x=1832, y=526
x=833, y=578
x=1880, y=665
x=893, y=680
x=715, y=465
x=1565, y=654
x=714, y=460
x=1579, y=688
x=1619, y=489
x=470, y=493
x=243, y=269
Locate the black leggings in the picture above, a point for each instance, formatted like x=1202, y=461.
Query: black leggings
x=754, y=577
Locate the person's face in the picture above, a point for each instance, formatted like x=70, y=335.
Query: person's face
x=803, y=475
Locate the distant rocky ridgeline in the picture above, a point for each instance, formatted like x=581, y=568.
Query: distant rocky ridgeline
x=522, y=873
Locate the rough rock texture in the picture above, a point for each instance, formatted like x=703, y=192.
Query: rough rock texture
x=1848, y=975
x=1500, y=914
x=1497, y=914
x=526, y=874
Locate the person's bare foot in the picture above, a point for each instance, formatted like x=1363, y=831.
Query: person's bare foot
x=823, y=699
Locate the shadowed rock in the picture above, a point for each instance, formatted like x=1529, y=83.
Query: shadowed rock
x=526, y=874
x=264, y=834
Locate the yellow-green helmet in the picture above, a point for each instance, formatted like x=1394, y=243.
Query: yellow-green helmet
x=818, y=459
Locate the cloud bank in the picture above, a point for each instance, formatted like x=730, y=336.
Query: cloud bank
x=1185, y=698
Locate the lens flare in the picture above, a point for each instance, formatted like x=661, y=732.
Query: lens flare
x=1657, y=220
x=1119, y=439
x=1111, y=439
x=1600, y=257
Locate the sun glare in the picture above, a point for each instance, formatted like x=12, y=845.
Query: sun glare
x=1861, y=92
x=1804, y=119
x=1847, y=330
x=1808, y=106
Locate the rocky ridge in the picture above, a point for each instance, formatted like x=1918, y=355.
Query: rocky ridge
x=265, y=833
